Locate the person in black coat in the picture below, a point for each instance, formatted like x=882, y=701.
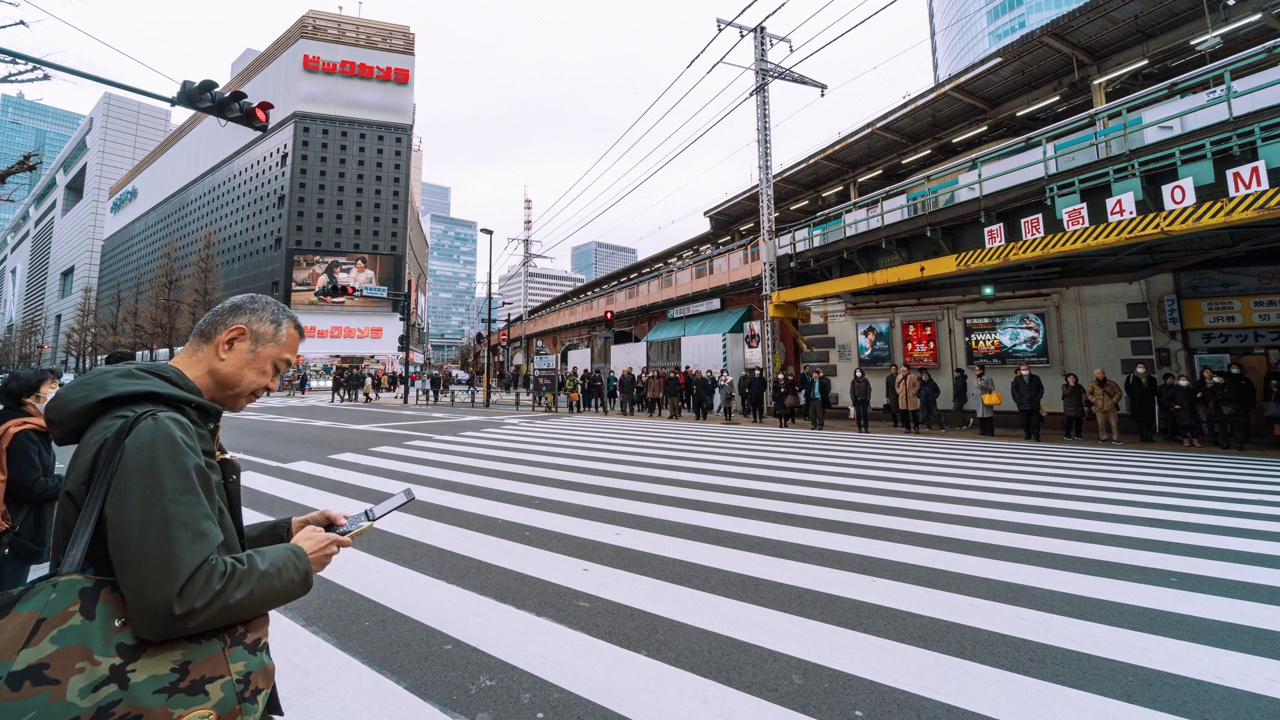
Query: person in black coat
x=1144, y=396
x=891, y=393
x=1073, y=404
x=860, y=398
x=959, y=397
x=1168, y=425
x=671, y=390
x=1182, y=409
x=1027, y=391
x=756, y=388
x=33, y=487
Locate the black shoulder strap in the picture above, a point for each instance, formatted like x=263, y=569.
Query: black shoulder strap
x=99, y=484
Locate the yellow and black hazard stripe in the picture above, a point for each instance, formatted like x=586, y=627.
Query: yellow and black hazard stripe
x=1201, y=217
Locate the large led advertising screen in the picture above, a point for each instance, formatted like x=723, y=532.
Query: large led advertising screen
x=335, y=280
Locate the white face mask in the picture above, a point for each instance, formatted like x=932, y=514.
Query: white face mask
x=758, y=373
x=1026, y=373
x=1142, y=371
x=1184, y=383
x=1235, y=371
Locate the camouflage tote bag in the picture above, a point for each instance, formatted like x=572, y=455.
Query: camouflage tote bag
x=67, y=651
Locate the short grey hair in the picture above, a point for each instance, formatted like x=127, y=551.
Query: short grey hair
x=268, y=321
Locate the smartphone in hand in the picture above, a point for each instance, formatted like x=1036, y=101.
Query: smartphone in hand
x=362, y=521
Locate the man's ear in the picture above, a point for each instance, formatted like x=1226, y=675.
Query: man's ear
x=230, y=339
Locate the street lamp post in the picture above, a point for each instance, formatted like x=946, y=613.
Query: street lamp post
x=488, y=326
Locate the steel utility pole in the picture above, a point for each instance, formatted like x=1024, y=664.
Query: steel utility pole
x=767, y=72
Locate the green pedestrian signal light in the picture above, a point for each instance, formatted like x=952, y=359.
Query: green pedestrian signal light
x=988, y=291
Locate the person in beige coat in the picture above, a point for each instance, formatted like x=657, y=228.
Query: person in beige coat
x=908, y=386
x=1105, y=394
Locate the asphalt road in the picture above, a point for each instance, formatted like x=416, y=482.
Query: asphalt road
x=562, y=566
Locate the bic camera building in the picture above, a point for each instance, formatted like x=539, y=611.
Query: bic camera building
x=322, y=197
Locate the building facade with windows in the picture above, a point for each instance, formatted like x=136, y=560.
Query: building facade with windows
x=436, y=199
x=30, y=126
x=321, y=199
x=597, y=259
x=544, y=284
x=966, y=31
x=451, y=284
x=49, y=251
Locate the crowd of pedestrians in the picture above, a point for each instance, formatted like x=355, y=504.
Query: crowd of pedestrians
x=356, y=384
x=1214, y=408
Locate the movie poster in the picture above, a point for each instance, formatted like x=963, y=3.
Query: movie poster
x=920, y=343
x=753, y=356
x=334, y=280
x=1007, y=339
x=874, y=344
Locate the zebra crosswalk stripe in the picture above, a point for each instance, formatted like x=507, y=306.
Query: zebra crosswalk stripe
x=763, y=507
x=951, y=680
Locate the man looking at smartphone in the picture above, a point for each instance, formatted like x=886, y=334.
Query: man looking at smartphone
x=171, y=531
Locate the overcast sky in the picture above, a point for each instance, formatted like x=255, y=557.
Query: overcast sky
x=511, y=94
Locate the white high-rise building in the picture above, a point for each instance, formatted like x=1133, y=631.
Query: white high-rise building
x=544, y=284
x=50, y=251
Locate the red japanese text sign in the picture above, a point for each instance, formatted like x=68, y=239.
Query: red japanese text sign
x=351, y=68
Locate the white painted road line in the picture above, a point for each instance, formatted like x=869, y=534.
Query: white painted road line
x=1245, y=672
x=951, y=680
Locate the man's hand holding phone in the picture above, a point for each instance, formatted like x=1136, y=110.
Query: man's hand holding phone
x=320, y=546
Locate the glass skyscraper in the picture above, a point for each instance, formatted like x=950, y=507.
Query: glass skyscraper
x=437, y=199
x=451, y=283
x=597, y=259
x=29, y=126
x=965, y=31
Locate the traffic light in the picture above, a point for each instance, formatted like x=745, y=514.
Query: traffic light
x=233, y=107
x=45, y=346
x=608, y=319
x=404, y=311
x=339, y=291
x=404, y=343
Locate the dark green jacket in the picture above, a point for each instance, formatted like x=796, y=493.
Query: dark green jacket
x=171, y=530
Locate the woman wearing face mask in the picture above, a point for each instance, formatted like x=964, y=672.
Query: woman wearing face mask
x=1182, y=403
x=986, y=414
x=755, y=395
x=1205, y=410
x=1144, y=396
x=860, y=392
x=1073, y=408
x=31, y=486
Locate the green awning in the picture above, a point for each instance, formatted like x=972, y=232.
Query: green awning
x=666, y=330
x=716, y=323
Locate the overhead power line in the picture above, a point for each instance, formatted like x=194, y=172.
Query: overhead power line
x=704, y=132
x=99, y=40
x=644, y=113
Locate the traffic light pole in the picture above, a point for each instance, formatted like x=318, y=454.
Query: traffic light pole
x=87, y=76
x=408, y=347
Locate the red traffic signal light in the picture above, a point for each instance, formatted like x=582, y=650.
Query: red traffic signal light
x=45, y=346
x=608, y=316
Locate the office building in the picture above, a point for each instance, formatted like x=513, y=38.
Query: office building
x=312, y=209
x=436, y=199
x=451, y=284
x=544, y=284
x=49, y=251
x=966, y=31
x=30, y=126
x=597, y=259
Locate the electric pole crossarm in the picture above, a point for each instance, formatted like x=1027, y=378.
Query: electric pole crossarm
x=721, y=23
x=777, y=72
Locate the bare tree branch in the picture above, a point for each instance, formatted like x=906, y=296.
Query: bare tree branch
x=26, y=164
